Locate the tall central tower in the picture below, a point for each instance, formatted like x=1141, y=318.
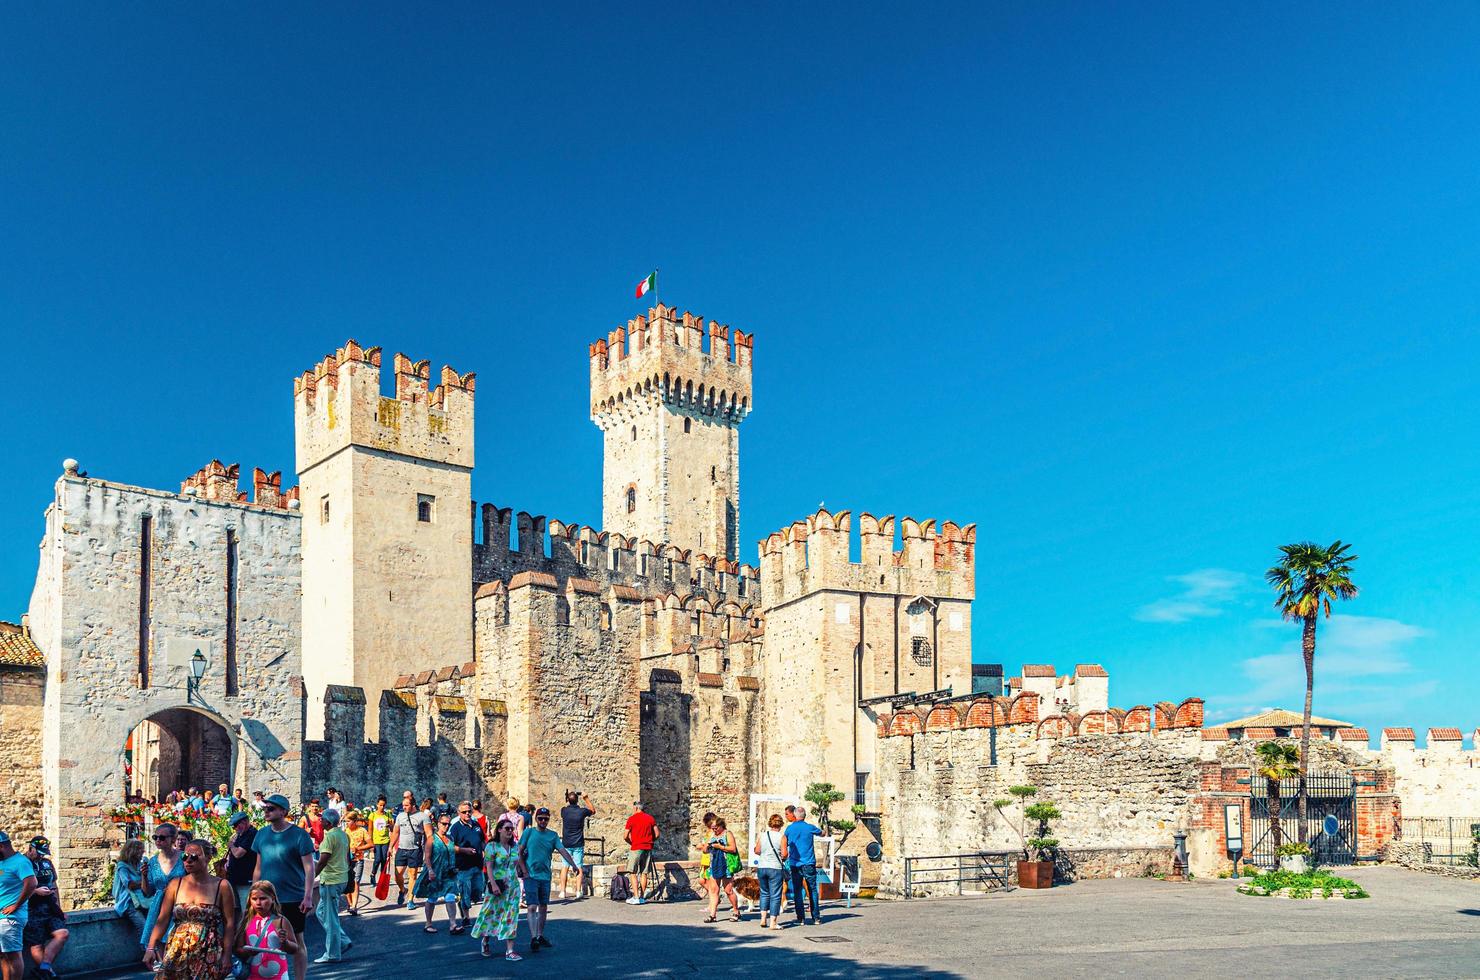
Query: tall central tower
x=669, y=406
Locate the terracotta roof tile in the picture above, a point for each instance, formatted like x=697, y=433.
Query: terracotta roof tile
x=1280, y=718
x=1398, y=734
x=1258, y=733
x=542, y=579
x=711, y=680
x=1090, y=670
x=1039, y=670
x=17, y=649
x=1352, y=734
x=1445, y=735
x=748, y=683
x=583, y=585
x=1014, y=682
x=626, y=592
x=1215, y=734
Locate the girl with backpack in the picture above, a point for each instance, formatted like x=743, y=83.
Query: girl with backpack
x=724, y=864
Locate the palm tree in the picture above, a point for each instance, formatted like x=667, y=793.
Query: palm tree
x=1305, y=581
x=1277, y=761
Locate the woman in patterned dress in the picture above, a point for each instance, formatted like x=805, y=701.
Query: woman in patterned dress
x=266, y=939
x=500, y=913
x=202, y=909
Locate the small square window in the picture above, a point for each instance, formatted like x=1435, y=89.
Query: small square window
x=426, y=508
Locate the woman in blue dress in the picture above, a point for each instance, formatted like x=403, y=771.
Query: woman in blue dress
x=159, y=871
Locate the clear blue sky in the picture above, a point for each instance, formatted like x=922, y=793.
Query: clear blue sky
x=1143, y=293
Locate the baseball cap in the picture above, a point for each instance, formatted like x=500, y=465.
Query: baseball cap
x=278, y=800
x=331, y=817
x=4, y=837
x=236, y=818
x=41, y=844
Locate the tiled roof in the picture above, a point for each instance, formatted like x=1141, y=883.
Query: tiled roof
x=17, y=649
x=1352, y=734
x=1215, y=734
x=1445, y=735
x=1280, y=718
x=1090, y=670
x=1038, y=670
x=1014, y=682
x=1402, y=734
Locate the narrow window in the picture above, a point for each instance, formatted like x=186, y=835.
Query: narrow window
x=631, y=500
x=606, y=616
x=324, y=509
x=714, y=474
x=562, y=611
x=687, y=423
x=146, y=548
x=741, y=583
x=585, y=552
x=668, y=569
x=231, y=585
x=860, y=788
x=634, y=433
x=426, y=508
x=642, y=564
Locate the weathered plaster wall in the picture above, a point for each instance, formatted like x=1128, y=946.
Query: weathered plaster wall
x=22, y=790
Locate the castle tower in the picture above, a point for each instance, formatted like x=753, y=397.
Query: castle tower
x=384, y=487
x=669, y=398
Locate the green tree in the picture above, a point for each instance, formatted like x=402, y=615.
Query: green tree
x=1020, y=795
x=822, y=796
x=1277, y=761
x=1305, y=580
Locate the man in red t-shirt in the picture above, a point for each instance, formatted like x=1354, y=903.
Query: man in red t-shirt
x=642, y=832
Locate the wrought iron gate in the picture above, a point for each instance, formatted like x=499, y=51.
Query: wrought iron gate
x=1329, y=825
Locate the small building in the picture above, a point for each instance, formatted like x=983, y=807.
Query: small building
x=986, y=679
x=1279, y=723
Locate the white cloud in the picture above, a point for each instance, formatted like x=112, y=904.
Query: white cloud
x=1361, y=664
x=1204, y=593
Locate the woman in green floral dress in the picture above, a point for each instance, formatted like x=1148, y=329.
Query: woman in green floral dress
x=500, y=913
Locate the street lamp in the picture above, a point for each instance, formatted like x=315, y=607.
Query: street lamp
x=197, y=671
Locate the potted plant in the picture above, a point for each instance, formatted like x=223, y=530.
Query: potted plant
x=1294, y=857
x=1035, y=868
x=822, y=796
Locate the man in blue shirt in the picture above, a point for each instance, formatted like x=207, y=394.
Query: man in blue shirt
x=801, y=859
x=536, y=847
x=17, y=882
x=467, y=844
x=285, y=858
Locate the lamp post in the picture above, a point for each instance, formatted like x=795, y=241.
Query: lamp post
x=197, y=671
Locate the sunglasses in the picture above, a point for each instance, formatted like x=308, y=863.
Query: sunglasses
x=187, y=856
x=164, y=836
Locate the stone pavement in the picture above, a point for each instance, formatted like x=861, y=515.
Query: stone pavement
x=1414, y=925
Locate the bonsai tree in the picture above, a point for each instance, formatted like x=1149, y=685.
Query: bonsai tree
x=1040, y=844
x=1305, y=580
x=822, y=796
x=1034, y=847
x=1277, y=761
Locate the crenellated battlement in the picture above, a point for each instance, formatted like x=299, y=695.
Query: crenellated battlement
x=338, y=403
x=663, y=357
x=813, y=554
x=523, y=542
x=217, y=483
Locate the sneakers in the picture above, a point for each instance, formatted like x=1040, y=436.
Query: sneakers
x=326, y=958
x=401, y=897
x=634, y=900
x=411, y=904
x=512, y=956
x=534, y=945
x=544, y=942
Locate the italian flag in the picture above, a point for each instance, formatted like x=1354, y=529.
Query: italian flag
x=647, y=285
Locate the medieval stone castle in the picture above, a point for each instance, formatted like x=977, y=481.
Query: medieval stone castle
x=374, y=629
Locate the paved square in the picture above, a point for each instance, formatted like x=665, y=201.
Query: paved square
x=1414, y=925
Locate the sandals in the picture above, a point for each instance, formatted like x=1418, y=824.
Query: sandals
x=487, y=949
x=735, y=917
x=431, y=929
x=710, y=918
x=456, y=930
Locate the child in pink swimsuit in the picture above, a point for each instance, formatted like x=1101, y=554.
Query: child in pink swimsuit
x=267, y=939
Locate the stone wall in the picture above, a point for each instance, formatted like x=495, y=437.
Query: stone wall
x=91, y=614
x=697, y=755
x=429, y=743
x=1123, y=792
x=22, y=693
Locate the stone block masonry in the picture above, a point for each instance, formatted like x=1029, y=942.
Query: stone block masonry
x=22, y=789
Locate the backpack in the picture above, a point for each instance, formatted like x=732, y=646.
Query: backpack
x=621, y=888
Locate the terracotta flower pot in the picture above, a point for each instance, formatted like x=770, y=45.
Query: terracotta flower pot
x=1035, y=874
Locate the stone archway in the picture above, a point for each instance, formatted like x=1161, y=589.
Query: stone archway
x=177, y=749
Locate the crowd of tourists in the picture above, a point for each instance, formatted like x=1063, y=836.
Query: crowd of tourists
x=243, y=913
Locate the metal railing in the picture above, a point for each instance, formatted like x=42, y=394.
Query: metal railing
x=1445, y=840
x=987, y=870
